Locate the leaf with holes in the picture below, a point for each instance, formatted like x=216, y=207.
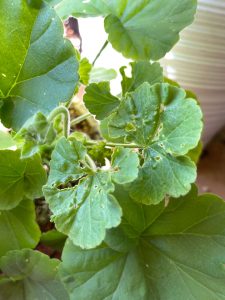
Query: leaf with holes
x=41, y=71
x=190, y=249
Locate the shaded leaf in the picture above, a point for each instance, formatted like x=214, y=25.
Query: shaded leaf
x=34, y=134
x=84, y=70
x=99, y=100
x=18, y=228
x=19, y=178
x=53, y=239
x=173, y=255
x=41, y=71
x=29, y=275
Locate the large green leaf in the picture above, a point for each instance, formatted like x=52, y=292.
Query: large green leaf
x=177, y=252
x=141, y=30
x=30, y=275
x=19, y=178
x=18, y=228
x=38, y=67
x=99, y=100
x=142, y=71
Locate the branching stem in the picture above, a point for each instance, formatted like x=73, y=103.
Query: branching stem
x=114, y=144
x=61, y=110
x=91, y=163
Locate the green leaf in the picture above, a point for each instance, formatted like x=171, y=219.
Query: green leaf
x=18, y=228
x=38, y=67
x=85, y=211
x=19, y=178
x=34, y=134
x=162, y=174
x=142, y=71
x=85, y=71
x=6, y=141
x=158, y=113
x=30, y=275
x=125, y=163
x=102, y=74
x=67, y=162
x=175, y=257
x=99, y=100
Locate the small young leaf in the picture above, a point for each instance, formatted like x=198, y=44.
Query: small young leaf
x=53, y=239
x=142, y=71
x=18, y=228
x=125, y=163
x=84, y=71
x=66, y=163
x=99, y=100
x=102, y=74
x=19, y=178
x=35, y=133
x=173, y=255
x=85, y=211
x=37, y=71
x=30, y=275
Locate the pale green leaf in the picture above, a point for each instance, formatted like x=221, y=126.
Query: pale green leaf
x=34, y=134
x=38, y=67
x=18, y=228
x=102, y=74
x=6, y=141
x=162, y=174
x=125, y=164
x=142, y=71
x=85, y=211
x=30, y=275
x=175, y=257
x=84, y=71
x=66, y=163
x=19, y=178
x=99, y=101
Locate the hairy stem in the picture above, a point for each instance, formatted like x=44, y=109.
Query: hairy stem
x=80, y=119
x=113, y=144
x=61, y=110
x=100, y=52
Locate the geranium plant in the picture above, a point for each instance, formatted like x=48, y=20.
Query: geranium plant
x=125, y=212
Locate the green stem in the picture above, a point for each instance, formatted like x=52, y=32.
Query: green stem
x=114, y=144
x=100, y=52
x=61, y=110
x=91, y=163
x=80, y=119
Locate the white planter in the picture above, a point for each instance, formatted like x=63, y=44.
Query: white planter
x=197, y=62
